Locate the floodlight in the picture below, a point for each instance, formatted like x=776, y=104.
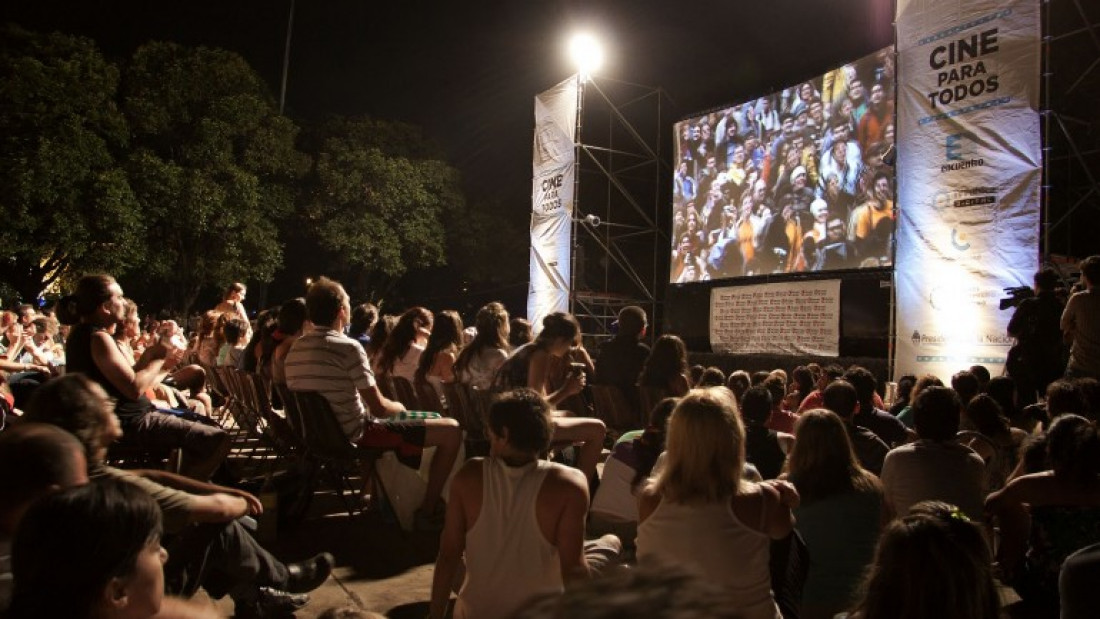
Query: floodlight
x=586, y=53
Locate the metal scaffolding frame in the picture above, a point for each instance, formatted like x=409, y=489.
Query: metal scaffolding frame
x=619, y=204
x=1071, y=128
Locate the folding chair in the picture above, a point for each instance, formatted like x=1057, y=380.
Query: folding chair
x=405, y=393
x=332, y=452
x=648, y=397
x=613, y=409
x=429, y=398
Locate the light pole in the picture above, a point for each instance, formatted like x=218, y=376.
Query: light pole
x=587, y=56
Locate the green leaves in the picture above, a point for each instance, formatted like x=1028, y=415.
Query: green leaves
x=379, y=195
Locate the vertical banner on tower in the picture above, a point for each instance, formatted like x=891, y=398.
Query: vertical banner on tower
x=553, y=166
x=969, y=170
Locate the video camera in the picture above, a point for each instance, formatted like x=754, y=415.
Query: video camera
x=1016, y=295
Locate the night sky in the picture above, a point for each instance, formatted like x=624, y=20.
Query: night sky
x=467, y=71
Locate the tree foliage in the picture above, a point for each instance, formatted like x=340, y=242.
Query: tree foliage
x=379, y=196
x=67, y=204
x=213, y=165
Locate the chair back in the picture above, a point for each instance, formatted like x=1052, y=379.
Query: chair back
x=614, y=409
x=290, y=408
x=429, y=398
x=648, y=397
x=324, y=436
x=277, y=429
x=403, y=390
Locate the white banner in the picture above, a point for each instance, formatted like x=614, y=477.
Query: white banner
x=553, y=164
x=795, y=318
x=969, y=164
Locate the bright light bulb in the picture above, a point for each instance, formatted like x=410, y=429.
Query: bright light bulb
x=586, y=53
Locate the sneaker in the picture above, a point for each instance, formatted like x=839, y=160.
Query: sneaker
x=430, y=522
x=309, y=574
x=269, y=603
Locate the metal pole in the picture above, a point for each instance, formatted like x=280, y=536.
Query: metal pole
x=577, y=146
x=1047, y=112
x=286, y=58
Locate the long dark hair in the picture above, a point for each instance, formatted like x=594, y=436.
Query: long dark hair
x=402, y=337
x=72, y=543
x=822, y=462
x=492, y=332
x=667, y=359
x=648, y=446
x=446, y=334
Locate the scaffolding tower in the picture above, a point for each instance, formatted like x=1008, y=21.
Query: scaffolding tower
x=620, y=255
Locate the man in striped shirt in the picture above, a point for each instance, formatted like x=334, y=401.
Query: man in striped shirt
x=328, y=362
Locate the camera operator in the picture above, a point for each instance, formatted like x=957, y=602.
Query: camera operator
x=1037, y=359
x=1081, y=323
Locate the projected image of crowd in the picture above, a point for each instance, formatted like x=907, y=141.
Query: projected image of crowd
x=794, y=181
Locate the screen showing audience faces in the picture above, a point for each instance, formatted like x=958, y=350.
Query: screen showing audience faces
x=795, y=181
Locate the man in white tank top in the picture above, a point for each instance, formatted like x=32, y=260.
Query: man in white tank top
x=519, y=520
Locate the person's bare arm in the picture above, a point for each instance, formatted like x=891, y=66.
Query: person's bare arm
x=178, y=608
x=536, y=378
x=217, y=507
x=648, y=500
x=194, y=486
x=779, y=498
x=1006, y=507
x=571, y=490
x=378, y=404
x=452, y=542
x=130, y=381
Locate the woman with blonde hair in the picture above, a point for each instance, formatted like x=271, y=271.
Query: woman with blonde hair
x=841, y=512
x=699, y=512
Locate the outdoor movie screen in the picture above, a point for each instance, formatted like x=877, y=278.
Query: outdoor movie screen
x=793, y=181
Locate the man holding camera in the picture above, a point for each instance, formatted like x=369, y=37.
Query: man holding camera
x=1037, y=358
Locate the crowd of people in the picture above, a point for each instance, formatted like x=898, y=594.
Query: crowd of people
x=800, y=180
x=771, y=494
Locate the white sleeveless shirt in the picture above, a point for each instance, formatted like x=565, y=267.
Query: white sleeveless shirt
x=709, y=540
x=508, y=561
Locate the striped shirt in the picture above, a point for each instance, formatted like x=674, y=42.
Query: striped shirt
x=333, y=364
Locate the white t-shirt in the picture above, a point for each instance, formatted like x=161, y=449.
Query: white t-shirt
x=933, y=470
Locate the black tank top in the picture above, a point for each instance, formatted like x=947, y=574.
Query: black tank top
x=763, y=451
x=78, y=358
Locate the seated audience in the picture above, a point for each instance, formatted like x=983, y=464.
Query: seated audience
x=816, y=398
x=210, y=547
x=667, y=367
x=841, y=398
x=518, y=519
x=621, y=358
x=363, y=317
x=615, y=505
x=94, y=551
x=699, y=513
x=97, y=305
x=401, y=352
x=47, y=459
x=437, y=362
x=883, y=424
x=519, y=332
x=765, y=448
x=292, y=323
x=229, y=355
x=530, y=366
x=478, y=362
x=935, y=467
x=905, y=415
x=780, y=419
x=328, y=362
x=933, y=562
x=1044, y=517
x=988, y=432
x=840, y=516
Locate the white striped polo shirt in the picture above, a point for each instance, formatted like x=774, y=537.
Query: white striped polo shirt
x=333, y=364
